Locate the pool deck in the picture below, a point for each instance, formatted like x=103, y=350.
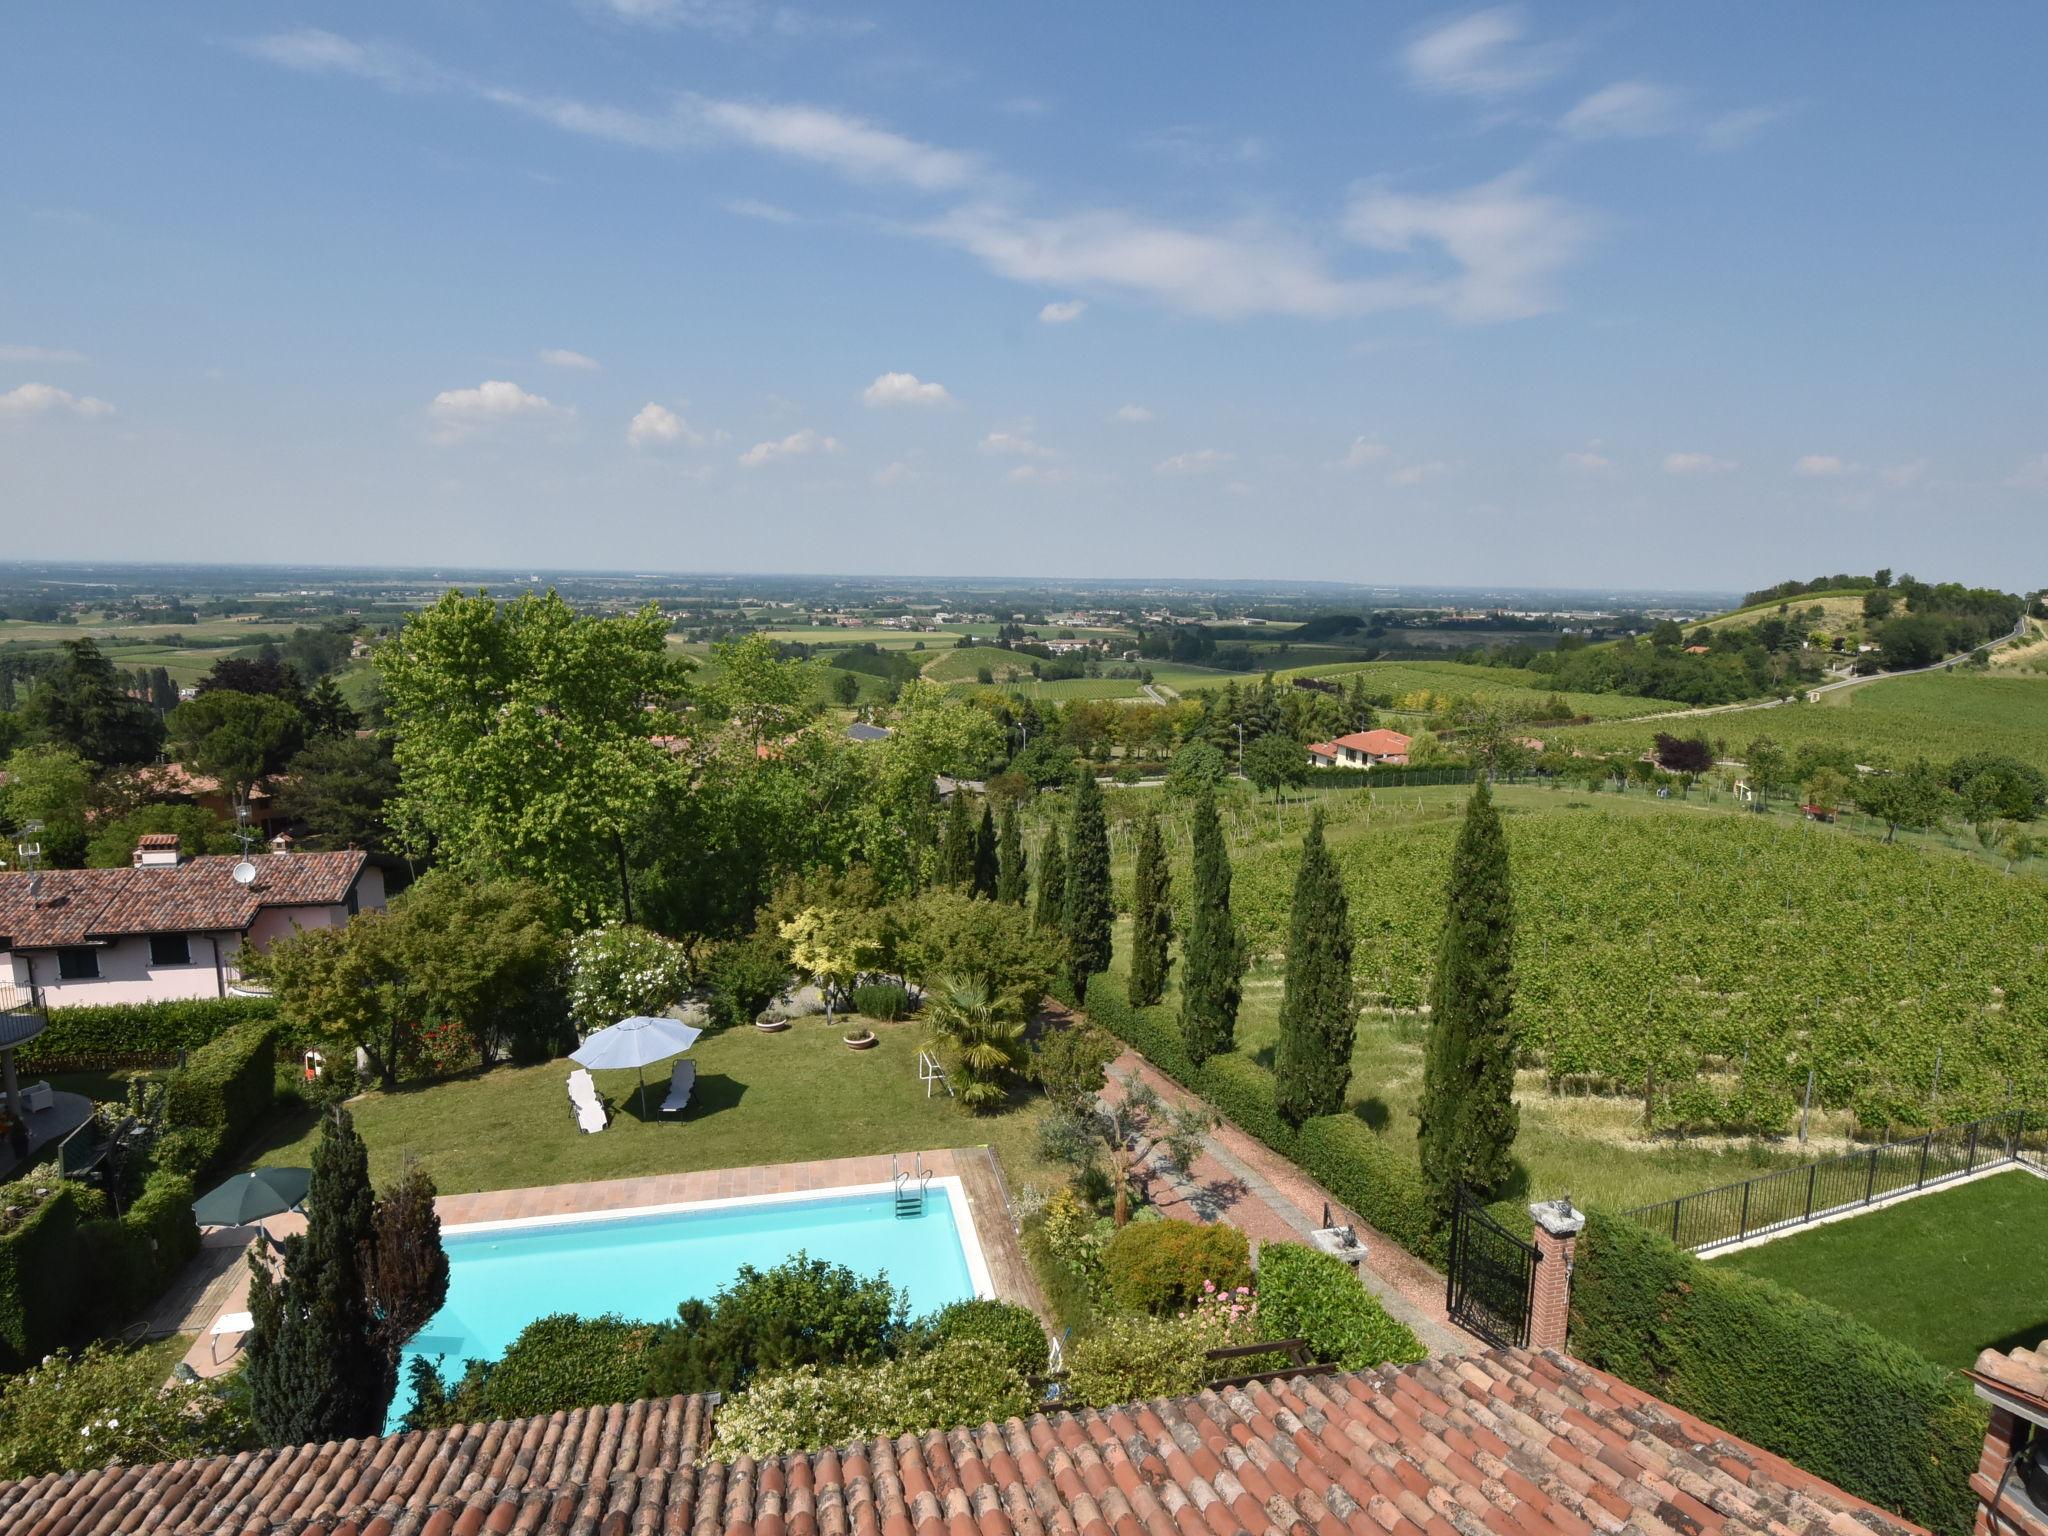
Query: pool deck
x=975, y=1167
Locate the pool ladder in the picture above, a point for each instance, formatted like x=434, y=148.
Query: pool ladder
x=910, y=1185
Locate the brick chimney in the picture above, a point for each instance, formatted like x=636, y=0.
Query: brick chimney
x=156, y=850
x=282, y=843
x=1558, y=1227
x=2011, y=1480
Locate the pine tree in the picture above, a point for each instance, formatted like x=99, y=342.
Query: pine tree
x=1052, y=883
x=314, y=1369
x=1318, y=1010
x=956, y=843
x=985, y=871
x=1085, y=916
x=1151, y=916
x=1212, y=956
x=1013, y=877
x=1467, y=1118
x=408, y=1278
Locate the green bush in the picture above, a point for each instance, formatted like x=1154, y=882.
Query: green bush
x=1164, y=1266
x=884, y=1000
x=128, y=1262
x=122, y=1031
x=1014, y=1330
x=1129, y=1359
x=73, y=1412
x=745, y=976
x=1780, y=1370
x=558, y=1362
x=42, y=1289
x=961, y=1381
x=1304, y=1293
x=225, y=1087
x=804, y=1311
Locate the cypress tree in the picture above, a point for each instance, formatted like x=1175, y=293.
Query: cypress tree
x=1151, y=916
x=956, y=843
x=1318, y=1010
x=1467, y=1118
x=1013, y=878
x=985, y=870
x=315, y=1371
x=1085, y=916
x=1212, y=957
x=1052, y=883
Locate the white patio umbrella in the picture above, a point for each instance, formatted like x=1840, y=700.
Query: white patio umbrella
x=636, y=1042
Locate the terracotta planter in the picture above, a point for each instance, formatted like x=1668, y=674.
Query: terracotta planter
x=864, y=1041
x=771, y=1026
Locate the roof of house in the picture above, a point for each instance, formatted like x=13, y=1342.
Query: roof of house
x=1380, y=742
x=1322, y=749
x=1506, y=1443
x=201, y=895
x=860, y=730
x=177, y=779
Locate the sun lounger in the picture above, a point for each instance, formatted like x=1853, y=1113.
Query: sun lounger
x=585, y=1104
x=680, y=1083
x=236, y=1323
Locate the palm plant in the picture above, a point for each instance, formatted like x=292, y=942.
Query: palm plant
x=983, y=1035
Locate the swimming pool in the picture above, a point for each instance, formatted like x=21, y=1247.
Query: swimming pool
x=644, y=1263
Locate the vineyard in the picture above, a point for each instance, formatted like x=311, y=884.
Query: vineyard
x=1516, y=688
x=1710, y=961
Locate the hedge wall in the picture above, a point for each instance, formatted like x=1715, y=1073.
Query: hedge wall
x=224, y=1089
x=127, y=1263
x=1307, y=1294
x=93, y=1034
x=1378, y=1181
x=1780, y=1370
x=40, y=1292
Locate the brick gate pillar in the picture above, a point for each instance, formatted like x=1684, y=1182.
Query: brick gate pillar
x=1557, y=1233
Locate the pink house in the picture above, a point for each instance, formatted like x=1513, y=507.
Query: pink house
x=167, y=927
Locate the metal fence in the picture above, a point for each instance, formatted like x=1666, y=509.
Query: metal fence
x=1792, y=1197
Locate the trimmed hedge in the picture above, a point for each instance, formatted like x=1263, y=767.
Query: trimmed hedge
x=1015, y=1330
x=1380, y=1182
x=40, y=1291
x=163, y=1031
x=1776, y=1368
x=1162, y=1266
x=224, y=1089
x=127, y=1263
x=1307, y=1294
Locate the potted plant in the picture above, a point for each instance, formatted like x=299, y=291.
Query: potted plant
x=861, y=1039
x=771, y=1021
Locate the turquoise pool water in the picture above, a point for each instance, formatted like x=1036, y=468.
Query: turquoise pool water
x=645, y=1266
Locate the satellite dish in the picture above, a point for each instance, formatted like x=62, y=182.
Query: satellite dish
x=245, y=873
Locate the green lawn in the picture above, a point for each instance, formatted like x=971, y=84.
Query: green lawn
x=1950, y=1274
x=783, y=1098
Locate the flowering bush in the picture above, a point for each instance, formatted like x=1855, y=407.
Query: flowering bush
x=1074, y=1235
x=960, y=1381
x=86, y=1410
x=619, y=970
x=1165, y=1266
x=1128, y=1359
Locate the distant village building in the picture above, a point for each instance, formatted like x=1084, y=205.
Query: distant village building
x=1360, y=749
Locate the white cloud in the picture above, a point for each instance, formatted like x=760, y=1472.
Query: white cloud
x=1910, y=473
x=798, y=444
x=27, y=354
x=767, y=213
x=896, y=472
x=1696, y=464
x=904, y=389
x=1506, y=242
x=1483, y=54
x=1201, y=461
x=730, y=18
x=1586, y=461
x=312, y=51
x=655, y=426
x=1063, y=311
x=36, y=399
x=1628, y=109
x=2030, y=476
x=1133, y=414
x=1415, y=474
x=1037, y=474
x=562, y=357
x=457, y=413
x=1364, y=451
x=1820, y=466
x=1732, y=130
x=1202, y=148
x=1015, y=445
x=847, y=144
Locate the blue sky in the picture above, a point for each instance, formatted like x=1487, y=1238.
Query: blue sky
x=1686, y=296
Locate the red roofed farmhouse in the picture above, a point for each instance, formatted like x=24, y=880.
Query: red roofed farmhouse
x=166, y=927
x=1361, y=749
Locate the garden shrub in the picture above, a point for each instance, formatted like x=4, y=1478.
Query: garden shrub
x=1071, y=1062
x=118, y=1033
x=1785, y=1372
x=745, y=976
x=127, y=1262
x=804, y=1311
x=1070, y=1295
x=1164, y=1266
x=558, y=1362
x=884, y=1000
x=42, y=1291
x=1075, y=1236
x=1128, y=1359
x=1014, y=1330
x=1307, y=1294
x=70, y=1412
x=619, y=971
x=225, y=1087
x=960, y=1381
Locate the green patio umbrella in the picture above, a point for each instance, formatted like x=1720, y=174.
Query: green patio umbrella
x=252, y=1196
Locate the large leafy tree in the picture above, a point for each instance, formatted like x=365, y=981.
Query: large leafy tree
x=1275, y=762
x=1915, y=797
x=54, y=786
x=1013, y=877
x=524, y=738
x=266, y=673
x=1052, y=883
x=946, y=936
x=1085, y=912
x=80, y=703
x=1151, y=916
x=236, y=738
x=1468, y=1119
x=933, y=734
x=338, y=792
x=1319, y=1008
x=1212, y=954
x=198, y=831
x=760, y=693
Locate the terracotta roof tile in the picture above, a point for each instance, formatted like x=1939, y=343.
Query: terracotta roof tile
x=201, y=895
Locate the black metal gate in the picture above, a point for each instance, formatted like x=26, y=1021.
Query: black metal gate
x=1492, y=1276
